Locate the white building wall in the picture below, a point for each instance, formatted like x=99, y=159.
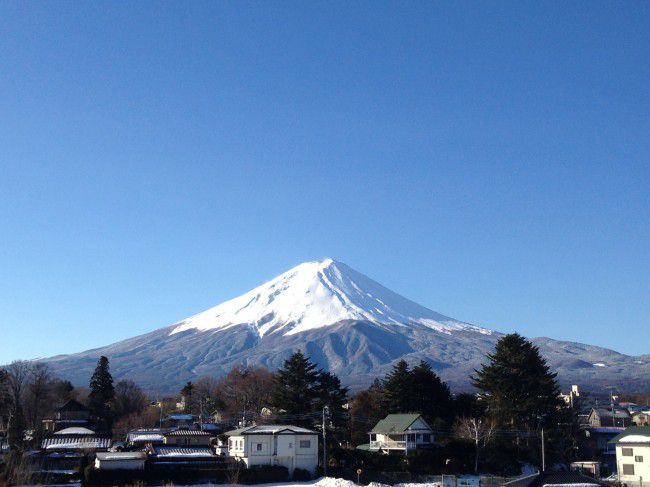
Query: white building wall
x=290, y=451
x=639, y=461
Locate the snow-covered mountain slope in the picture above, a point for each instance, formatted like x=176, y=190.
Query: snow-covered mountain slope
x=318, y=294
x=347, y=323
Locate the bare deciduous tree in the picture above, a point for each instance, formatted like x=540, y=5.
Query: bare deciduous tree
x=478, y=430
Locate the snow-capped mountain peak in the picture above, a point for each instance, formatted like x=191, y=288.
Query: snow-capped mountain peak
x=315, y=295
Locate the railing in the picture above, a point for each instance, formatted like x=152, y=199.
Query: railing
x=389, y=444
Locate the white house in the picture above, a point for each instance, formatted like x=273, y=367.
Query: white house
x=633, y=456
x=275, y=444
x=132, y=460
x=401, y=433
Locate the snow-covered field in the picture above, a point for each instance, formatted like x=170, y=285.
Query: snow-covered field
x=323, y=482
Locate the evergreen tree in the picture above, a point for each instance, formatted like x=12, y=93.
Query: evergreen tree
x=430, y=396
x=331, y=394
x=295, y=392
x=101, y=393
x=398, y=389
x=517, y=386
x=366, y=409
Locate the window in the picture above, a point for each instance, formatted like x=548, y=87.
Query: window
x=638, y=459
x=305, y=443
x=290, y=445
x=373, y=437
x=627, y=452
x=258, y=447
x=426, y=438
x=628, y=469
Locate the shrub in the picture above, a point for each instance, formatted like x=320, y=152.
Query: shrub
x=301, y=474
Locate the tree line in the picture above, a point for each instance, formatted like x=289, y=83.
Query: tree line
x=516, y=395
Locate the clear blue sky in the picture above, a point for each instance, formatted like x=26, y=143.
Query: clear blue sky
x=489, y=160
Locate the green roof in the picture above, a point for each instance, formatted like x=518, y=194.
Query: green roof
x=632, y=430
x=395, y=423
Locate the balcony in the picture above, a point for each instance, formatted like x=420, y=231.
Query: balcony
x=392, y=445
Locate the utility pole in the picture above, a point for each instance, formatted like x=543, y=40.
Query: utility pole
x=326, y=411
x=543, y=452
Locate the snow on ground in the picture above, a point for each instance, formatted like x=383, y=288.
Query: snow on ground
x=599, y=364
x=325, y=482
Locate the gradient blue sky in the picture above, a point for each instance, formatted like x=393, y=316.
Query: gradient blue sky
x=489, y=160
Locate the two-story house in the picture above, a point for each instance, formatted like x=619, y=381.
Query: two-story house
x=633, y=456
x=70, y=414
x=401, y=433
x=605, y=417
x=275, y=444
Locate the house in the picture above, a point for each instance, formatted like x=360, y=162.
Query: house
x=590, y=468
x=142, y=437
x=401, y=433
x=597, y=446
x=288, y=446
x=633, y=456
x=75, y=443
x=183, y=457
x=187, y=437
x=641, y=418
x=72, y=413
x=132, y=460
x=179, y=421
x=603, y=417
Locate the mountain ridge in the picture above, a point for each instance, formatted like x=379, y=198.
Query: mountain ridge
x=348, y=324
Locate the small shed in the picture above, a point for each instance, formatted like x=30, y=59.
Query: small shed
x=132, y=460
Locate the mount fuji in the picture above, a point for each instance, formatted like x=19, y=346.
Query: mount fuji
x=347, y=323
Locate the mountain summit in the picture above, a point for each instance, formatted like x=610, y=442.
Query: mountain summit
x=347, y=323
x=315, y=295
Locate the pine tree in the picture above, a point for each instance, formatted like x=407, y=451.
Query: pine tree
x=398, y=389
x=102, y=393
x=296, y=390
x=331, y=394
x=517, y=385
x=430, y=396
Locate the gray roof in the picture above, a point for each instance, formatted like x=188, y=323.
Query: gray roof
x=145, y=436
x=76, y=443
x=271, y=429
x=636, y=431
x=607, y=413
x=184, y=452
x=183, y=432
x=122, y=455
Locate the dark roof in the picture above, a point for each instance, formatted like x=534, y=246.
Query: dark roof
x=271, y=429
x=395, y=423
x=183, y=432
x=72, y=405
x=555, y=478
x=607, y=412
x=632, y=430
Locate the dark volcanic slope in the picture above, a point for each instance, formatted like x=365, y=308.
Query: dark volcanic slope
x=355, y=350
